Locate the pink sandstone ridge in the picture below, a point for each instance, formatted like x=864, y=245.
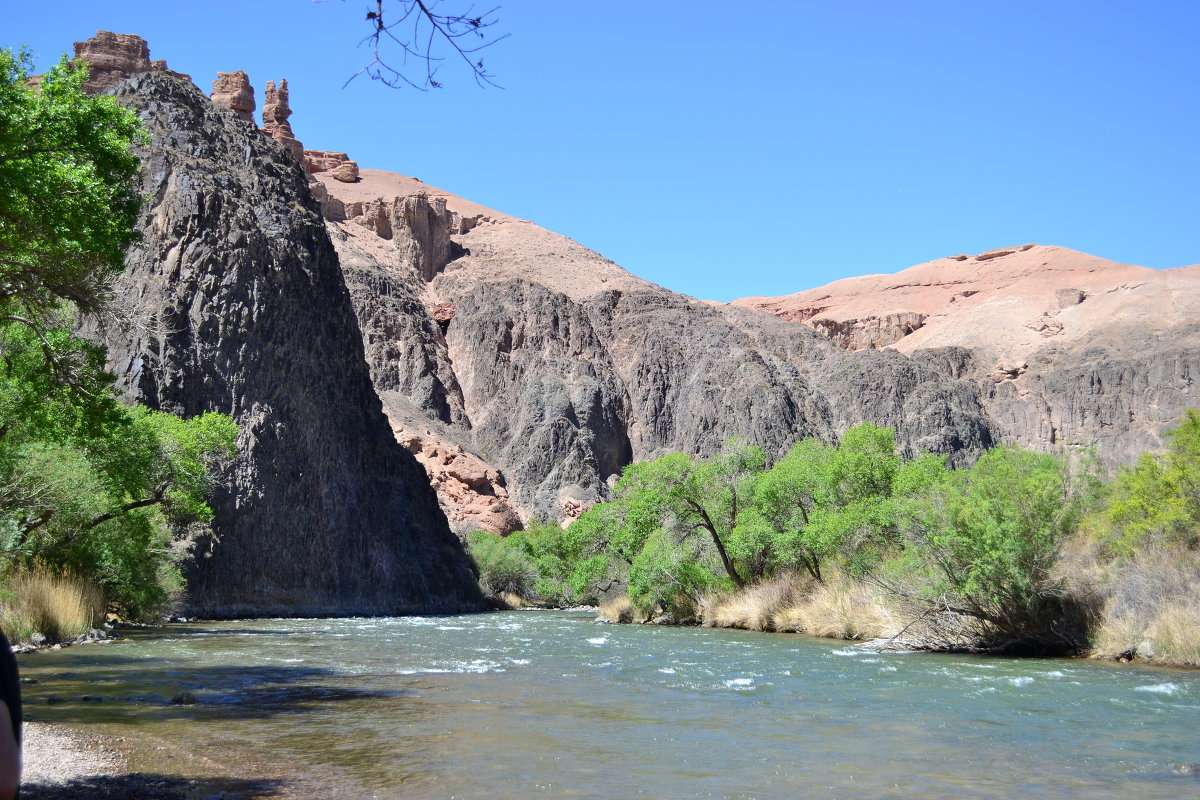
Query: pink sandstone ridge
x=338, y=165
x=1003, y=304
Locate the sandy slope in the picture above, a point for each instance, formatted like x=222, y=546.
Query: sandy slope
x=1005, y=306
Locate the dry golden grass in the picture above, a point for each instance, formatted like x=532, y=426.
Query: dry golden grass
x=1175, y=633
x=620, y=609
x=57, y=606
x=1154, y=599
x=839, y=608
x=512, y=600
x=755, y=607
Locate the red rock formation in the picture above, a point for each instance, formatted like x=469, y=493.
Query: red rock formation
x=346, y=172
x=472, y=493
x=868, y=333
x=338, y=165
x=275, y=118
x=115, y=56
x=1003, y=304
x=1064, y=348
x=442, y=313
x=233, y=91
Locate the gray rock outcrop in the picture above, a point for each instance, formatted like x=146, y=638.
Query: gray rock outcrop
x=557, y=368
x=235, y=302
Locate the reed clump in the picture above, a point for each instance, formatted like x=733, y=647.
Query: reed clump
x=618, y=609
x=1150, y=608
x=57, y=606
x=755, y=608
x=839, y=608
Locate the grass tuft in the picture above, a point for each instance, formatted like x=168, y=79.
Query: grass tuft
x=839, y=608
x=756, y=607
x=1152, y=603
x=57, y=606
x=619, y=609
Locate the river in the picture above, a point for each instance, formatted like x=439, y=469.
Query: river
x=552, y=704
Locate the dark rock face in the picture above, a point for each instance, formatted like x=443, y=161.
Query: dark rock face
x=1118, y=399
x=235, y=302
x=559, y=388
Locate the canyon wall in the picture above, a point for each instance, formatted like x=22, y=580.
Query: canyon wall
x=376, y=336
x=1063, y=349
x=491, y=336
x=234, y=301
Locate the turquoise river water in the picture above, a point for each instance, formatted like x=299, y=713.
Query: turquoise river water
x=552, y=704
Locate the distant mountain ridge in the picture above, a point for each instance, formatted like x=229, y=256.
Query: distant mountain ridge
x=1033, y=345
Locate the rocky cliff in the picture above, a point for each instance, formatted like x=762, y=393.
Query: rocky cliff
x=1062, y=348
x=234, y=301
x=493, y=337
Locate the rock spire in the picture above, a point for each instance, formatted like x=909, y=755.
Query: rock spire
x=275, y=118
x=233, y=91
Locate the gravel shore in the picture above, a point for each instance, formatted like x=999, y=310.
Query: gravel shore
x=62, y=763
x=56, y=755
x=66, y=764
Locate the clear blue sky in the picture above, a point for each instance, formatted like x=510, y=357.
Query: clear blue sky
x=731, y=149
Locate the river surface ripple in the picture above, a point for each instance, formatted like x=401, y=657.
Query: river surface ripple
x=552, y=704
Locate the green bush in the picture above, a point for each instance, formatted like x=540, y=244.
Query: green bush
x=984, y=543
x=1157, y=501
x=504, y=564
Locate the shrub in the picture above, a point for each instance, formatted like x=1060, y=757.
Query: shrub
x=1157, y=501
x=756, y=607
x=1151, y=597
x=985, y=541
x=838, y=608
x=504, y=564
x=619, y=609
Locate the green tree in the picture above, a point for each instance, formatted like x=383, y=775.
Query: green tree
x=986, y=539
x=696, y=497
x=69, y=203
x=819, y=502
x=1157, y=501
x=87, y=484
x=121, y=507
x=503, y=563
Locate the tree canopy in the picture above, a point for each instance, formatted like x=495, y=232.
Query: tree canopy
x=88, y=485
x=69, y=202
x=1157, y=500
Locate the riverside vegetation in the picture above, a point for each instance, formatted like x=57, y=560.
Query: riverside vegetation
x=99, y=500
x=1023, y=552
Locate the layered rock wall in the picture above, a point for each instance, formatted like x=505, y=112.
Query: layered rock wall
x=1064, y=349
x=232, y=90
x=115, y=56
